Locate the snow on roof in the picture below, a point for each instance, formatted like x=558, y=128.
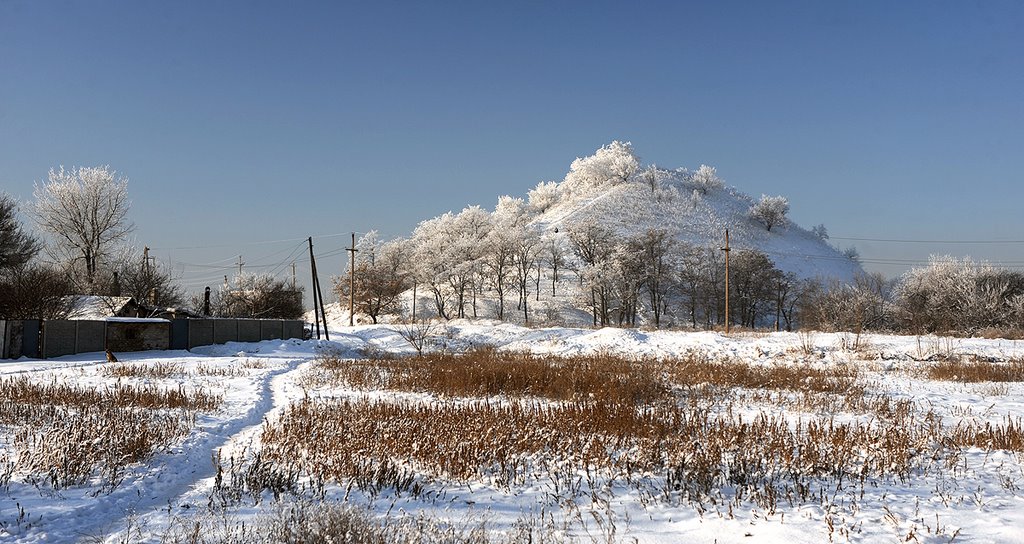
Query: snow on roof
x=94, y=307
x=135, y=320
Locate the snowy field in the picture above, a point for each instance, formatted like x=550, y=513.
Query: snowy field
x=959, y=478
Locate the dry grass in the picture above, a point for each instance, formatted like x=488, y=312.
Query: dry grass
x=488, y=373
x=65, y=435
x=701, y=371
x=20, y=390
x=156, y=371
x=669, y=430
x=975, y=371
x=304, y=522
x=220, y=371
x=377, y=445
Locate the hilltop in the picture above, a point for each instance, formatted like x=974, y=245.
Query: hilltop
x=686, y=205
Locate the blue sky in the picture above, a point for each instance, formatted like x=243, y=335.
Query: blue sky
x=243, y=122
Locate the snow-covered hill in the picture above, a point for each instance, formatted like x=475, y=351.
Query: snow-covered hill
x=700, y=219
x=606, y=234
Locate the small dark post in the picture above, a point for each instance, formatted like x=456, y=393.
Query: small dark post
x=206, y=302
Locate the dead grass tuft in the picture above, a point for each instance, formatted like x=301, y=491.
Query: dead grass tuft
x=157, y=371
x=975, y=371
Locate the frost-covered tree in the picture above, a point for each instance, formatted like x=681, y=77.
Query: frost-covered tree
x=510, y=212
x=655, y=247
x=16, y=246
x=447, y=257
x=526, y=250
x=554, y=253
x=651, y=177
x=820, y=231
x=499, y=262
x=614, y=163
x=770, y=211
x=85, y=210
x=430, y=265
x=594, y=244
x=706, y=179
x=543, y=196
x=959, y=295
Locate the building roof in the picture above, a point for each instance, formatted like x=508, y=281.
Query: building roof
x=95, y=307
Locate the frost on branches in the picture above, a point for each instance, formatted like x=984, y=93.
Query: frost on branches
x=612, y=164
x=770, y=211
x=706, y=179
x=86, y=212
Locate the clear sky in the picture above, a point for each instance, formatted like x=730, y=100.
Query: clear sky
x=244, y=122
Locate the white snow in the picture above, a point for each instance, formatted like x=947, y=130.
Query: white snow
x=978, y=501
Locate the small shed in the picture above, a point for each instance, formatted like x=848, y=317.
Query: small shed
x=137, y=333
x=97, y=308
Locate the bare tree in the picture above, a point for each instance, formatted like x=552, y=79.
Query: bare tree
x=34, y=291
x=86, y=212
x=16, y=246
x=152, y=283
x=380, y=279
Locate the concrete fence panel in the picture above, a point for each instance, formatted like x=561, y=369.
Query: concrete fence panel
x=91, y=336
x=294, y=329
x=249, y=330
x=200, y=332
x=271, y=329
x=225, y=330
x=59, y=338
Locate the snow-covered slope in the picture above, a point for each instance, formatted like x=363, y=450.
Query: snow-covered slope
x=698, y=219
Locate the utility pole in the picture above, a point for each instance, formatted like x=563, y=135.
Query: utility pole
x=352, y=282
x=240, y=263
x=293, y=276
x=145, y=259
x=726, y=250
x=312, y=267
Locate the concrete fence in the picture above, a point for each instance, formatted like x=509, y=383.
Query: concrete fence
x=56, y=337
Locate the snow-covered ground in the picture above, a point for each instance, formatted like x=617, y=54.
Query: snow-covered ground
x=980, y=500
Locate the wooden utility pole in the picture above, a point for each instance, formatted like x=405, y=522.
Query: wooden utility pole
x=316, y=308
x=323, y=309
x=293, y=276
x=414, y=300
x=240, y=263
x=352, y=282
x=145, y=259
x=726, y=250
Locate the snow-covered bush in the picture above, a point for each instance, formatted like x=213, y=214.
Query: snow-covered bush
x=612, y=164
x=820, y=231
x=959, y=295
x=706, y=179
x=770, y=211
x=543, y=196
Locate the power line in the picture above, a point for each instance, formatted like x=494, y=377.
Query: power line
x=256, y=243
x=904, y=241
